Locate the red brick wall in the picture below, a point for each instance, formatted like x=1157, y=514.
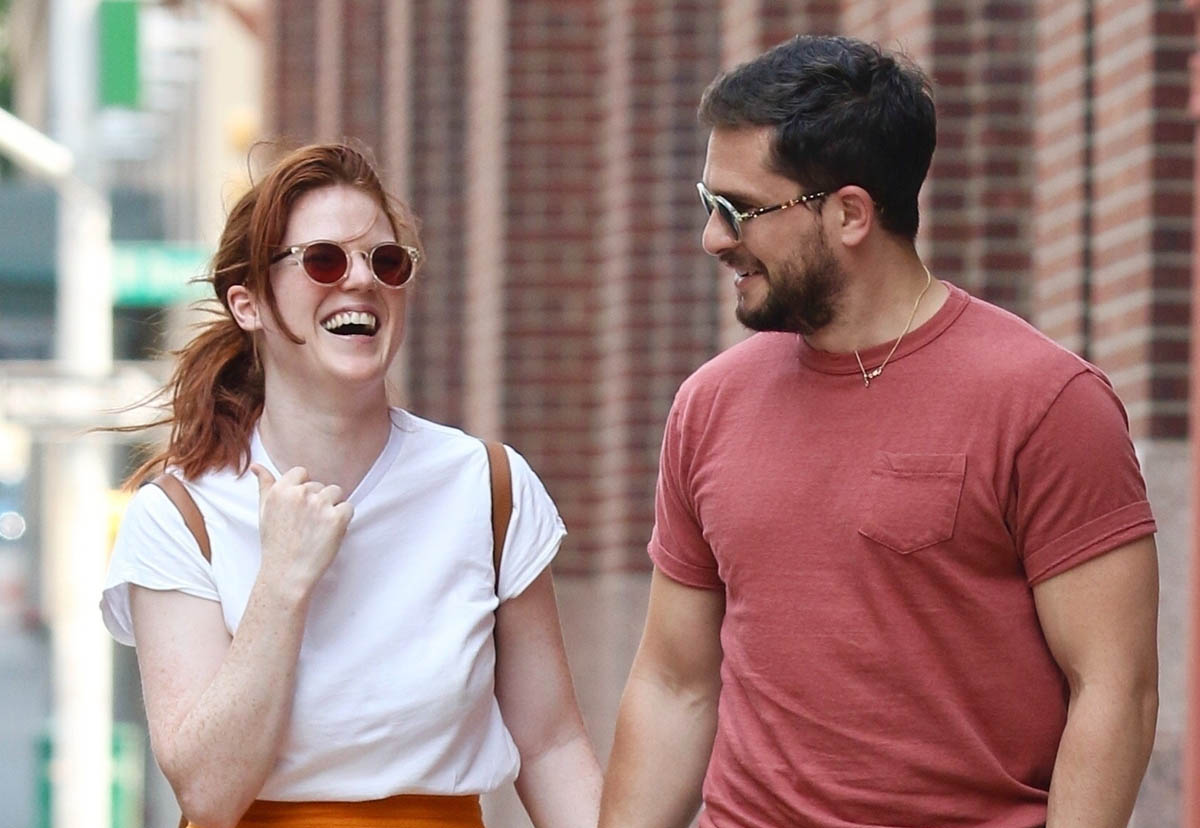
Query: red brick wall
x=999, y=180
x=551, y=148
x=290, y=104
x=437, y=188
x=1142, y=209
x=671, y=319
x=364, y=33
x=1191, y=741
x=1062, y=152
x=552, y=188
x=975, y=206
x=328, y=45
x=655, y=305
x=782, y=19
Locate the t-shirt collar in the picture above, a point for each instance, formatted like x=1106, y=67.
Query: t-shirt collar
x=914, y=340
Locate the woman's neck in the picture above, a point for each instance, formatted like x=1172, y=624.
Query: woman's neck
x=336, y=441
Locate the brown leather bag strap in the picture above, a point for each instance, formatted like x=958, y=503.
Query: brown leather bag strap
x=178, y=494
x=501, y=503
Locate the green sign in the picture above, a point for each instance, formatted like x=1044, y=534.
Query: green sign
x=128, y=774
x=152, y=274
x=119, y=75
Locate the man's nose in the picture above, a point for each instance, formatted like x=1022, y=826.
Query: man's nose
x=717, y=237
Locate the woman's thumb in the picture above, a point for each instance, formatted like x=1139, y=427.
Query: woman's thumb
x=265, y=478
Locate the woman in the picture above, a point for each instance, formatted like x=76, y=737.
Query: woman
x=341, y=646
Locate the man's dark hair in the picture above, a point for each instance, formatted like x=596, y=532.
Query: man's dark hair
x=844, y=112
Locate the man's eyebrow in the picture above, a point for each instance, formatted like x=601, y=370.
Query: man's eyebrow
x=736, y=195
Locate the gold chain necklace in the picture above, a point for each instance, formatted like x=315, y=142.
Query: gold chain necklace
x=874, y=372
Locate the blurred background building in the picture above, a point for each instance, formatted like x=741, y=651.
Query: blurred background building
x=550, y=147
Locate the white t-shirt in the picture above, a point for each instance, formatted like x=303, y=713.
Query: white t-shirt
x=395, y=682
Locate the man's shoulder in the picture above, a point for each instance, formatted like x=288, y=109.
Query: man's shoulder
x=741, y=362
x=1006, y=344
x=991, y=359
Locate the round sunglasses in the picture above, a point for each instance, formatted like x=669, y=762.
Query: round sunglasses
x=735, y=218
x=328, y=262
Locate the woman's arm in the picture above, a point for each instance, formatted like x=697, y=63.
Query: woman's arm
x=217, y=706
x=559, y=782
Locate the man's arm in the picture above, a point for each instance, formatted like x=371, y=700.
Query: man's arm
x=668, y=714
x=1100, y=620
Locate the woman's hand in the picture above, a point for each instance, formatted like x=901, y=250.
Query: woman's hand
x=301, y=524
x=219, y=705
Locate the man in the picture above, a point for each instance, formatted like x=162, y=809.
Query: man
x=904, y=563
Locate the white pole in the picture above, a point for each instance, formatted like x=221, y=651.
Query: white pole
x=33, y=150
x=78, y=475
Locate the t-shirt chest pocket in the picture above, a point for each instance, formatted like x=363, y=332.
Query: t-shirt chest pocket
x=912, y=499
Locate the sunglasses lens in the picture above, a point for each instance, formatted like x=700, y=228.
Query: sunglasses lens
x=723, y=209
x=729, y=218
x=325, y=262
x=392, y=264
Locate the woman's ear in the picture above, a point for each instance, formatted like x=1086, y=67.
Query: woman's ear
x=856, y=216
x=243, y=307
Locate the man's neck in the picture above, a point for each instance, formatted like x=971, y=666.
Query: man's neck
x=880, y=303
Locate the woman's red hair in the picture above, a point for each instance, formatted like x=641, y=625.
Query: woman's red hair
x=215, y=394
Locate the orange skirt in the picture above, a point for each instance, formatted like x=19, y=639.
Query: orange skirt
x=404, y=811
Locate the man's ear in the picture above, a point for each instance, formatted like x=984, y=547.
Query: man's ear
x=856, y=214
x=243, y=307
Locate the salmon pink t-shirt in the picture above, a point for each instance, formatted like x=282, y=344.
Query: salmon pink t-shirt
x=877, y=546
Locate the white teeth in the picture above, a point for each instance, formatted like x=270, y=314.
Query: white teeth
x=350, y=318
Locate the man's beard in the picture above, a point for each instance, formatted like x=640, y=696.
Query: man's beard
x=801, y=294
